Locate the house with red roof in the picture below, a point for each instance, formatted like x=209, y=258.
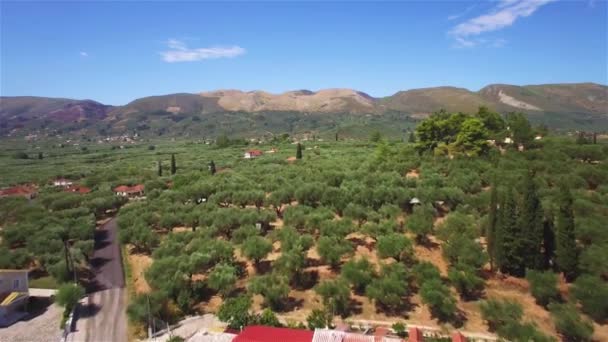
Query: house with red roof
x=251, y=154
x=129, y=191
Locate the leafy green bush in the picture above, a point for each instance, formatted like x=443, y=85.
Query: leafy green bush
x=592, y=293
x=543, y=286
x=569, y=323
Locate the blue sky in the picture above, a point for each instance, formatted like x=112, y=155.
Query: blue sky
x=115, y=52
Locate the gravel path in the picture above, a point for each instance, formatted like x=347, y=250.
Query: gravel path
x=42, y=328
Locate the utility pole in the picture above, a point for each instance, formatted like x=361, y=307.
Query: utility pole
x=150, y=321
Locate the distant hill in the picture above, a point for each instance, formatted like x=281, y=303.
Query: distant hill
x=235, y=112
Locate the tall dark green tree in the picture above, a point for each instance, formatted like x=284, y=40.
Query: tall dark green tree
x=212, y=168
x=173, y=166
x=531, y=224
x=509, y=242
x=299, y=151
x=491, y=227
x=548, y=241
x=160, y=169
x=566, y=253
x=336, y=136
x=412, y=137
x=40, y=155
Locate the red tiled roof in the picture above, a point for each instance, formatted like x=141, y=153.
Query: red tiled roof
x=129, y=189
x=19, y=190
x=255, y=152
x=257, y=333
x=415, y=335
x=137, y=188
x=121, y=188
x=78, y=189
x=458, y=337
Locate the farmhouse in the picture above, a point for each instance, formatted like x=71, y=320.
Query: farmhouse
x=14, y=295
x=251, y=154
x=129, y=191
x=26, y=191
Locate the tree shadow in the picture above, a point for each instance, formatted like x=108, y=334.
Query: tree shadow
x=402, y=309
x=313, y=262
x=305, y=280
x=354, y=307
x=263, y=267
x=88, y=310
x=290, y=304
x=36, y=307
x=98, y=262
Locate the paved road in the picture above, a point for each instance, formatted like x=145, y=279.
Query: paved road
x=103, y=315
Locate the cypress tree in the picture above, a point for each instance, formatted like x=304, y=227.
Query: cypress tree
x=173, y=167
x=566, y=254
x=510, y=242
x=40, y=156
x=299, y=152
x=594, y=138
x=336, y=136
x=412, y=138
x=531, y=225
x=491, y=228
x=548, y=241
x=212, y=168
x=160, y=169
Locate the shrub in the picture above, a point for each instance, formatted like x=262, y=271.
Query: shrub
x=592, y=293
x=439, y=298
x=466, y=281
x=319, y=319
x=569, y=323
x=235, y=312
x=543, y=286
x=68, y=295
x=500, y=312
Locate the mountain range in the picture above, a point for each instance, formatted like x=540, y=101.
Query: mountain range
x=235, y=112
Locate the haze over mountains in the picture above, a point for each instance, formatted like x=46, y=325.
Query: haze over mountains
x=567, y=106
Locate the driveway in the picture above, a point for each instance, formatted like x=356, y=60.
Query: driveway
x=40, y=326
x=102, y=316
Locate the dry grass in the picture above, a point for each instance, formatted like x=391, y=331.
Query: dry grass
x=139, y=264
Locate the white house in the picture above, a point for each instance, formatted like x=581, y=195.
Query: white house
x=14, y=294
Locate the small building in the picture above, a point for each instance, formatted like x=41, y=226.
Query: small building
x=415, y=201
x=508, y=140
x=14, y=295
x=129, y=191
x=251, y=154
x=415, y=335
x=63, y=182
x=258, y=333
x=26, y=191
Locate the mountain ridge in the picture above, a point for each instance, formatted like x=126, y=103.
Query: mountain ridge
x=567, y=105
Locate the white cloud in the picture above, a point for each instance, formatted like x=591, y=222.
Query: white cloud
x=180, y=52
x=504, y=14
x=84, y=54
x=463, y=13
